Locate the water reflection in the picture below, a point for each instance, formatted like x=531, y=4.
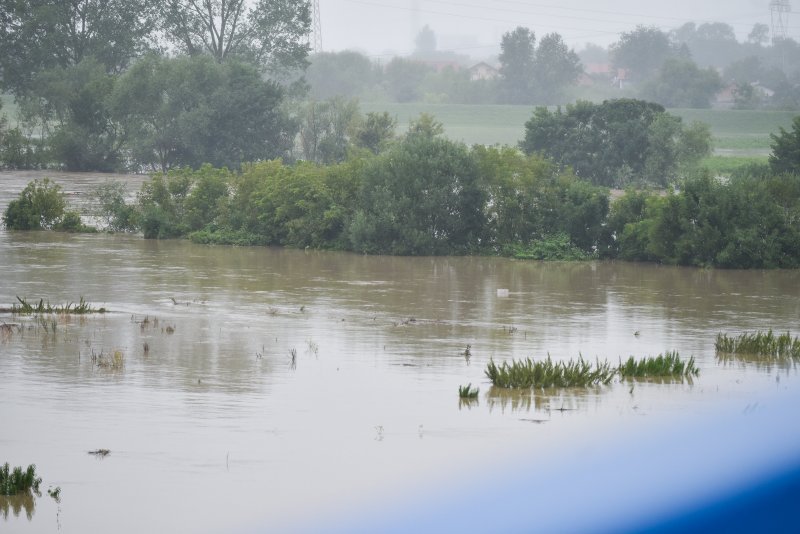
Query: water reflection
x=755, y=361
x=545, y=401
x=15, y=504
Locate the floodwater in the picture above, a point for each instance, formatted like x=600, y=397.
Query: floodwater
x=283, y=386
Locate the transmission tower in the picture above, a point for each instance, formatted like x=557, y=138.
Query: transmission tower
x=315, y=39
x=779, y=11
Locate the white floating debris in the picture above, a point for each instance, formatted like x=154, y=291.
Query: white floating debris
x=502, y=292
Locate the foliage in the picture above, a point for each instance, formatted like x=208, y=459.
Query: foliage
x=41, y=35
x=18, y=480
x=344, y=74
x=161, y=205
x=557, y=247
x=516, y=65
x=86, y=135
x=467, y=392
x=759, y=344
x=110, y=205
x=535, y=74
x=679, y=83
x=641, y=51
x=617, y=142
x=189, y=111
x=710, y=44
x=546, y=373
x=39, y=206
x=785, y=157
x=555, y=67
x=663, y=365
x=403, y=78
x=327, y=129
x=268, y=33
x=746, y=222
x=422, y=196
x=375, y=132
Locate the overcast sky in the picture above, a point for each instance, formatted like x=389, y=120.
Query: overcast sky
x=474, y=27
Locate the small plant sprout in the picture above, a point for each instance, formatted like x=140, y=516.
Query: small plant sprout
x=313, y=348
x=293, y=358
x=467, y=392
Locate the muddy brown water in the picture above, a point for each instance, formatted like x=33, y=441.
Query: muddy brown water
x=217, y=426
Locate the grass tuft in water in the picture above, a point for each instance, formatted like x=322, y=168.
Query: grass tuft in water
x=764, y=344
x=547, y=373
x=467, y=392
x=17, y=480
x=663, y=365
x=26, y=308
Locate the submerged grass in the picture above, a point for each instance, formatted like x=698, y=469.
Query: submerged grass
x=664, y=365
x=547, y=373
x=467, y=392
x=17, y=480
x=26, y=308
x=759, y=344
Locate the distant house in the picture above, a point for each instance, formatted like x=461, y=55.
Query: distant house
x=726, y=97
x=483, y=71
x=604, y=72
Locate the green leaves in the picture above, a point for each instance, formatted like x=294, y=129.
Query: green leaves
x=617, y=143
x=785, y=157
x=18, y=480
x=40, y=206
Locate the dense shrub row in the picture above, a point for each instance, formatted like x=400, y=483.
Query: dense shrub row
x=426, y=195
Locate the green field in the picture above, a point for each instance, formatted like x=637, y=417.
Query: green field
x=735, y=132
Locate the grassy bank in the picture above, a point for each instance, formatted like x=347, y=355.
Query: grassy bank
x=736, y=132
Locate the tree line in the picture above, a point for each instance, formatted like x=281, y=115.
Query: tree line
x=427, y=195
x=144, y=84
x=682, y=68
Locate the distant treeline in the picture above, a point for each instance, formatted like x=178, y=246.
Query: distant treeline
x=427, y=195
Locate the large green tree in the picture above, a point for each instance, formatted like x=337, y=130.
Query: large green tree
x=423, y=196
x=83, y=133
x=641, y=51
x=555, y=67
x=269, y=33
x=38, y=35
x=616, y=143
x=517, y=57
x=188, y=111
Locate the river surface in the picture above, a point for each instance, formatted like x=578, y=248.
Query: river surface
x=260, y=386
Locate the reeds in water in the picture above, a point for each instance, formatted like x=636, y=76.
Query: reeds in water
x=668, y=364
x=467, y=392
x=763, y=344
x=18, y=480
x=547, y=373
x=26, y=308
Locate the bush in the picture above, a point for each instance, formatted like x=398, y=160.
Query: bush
x=40, y=206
